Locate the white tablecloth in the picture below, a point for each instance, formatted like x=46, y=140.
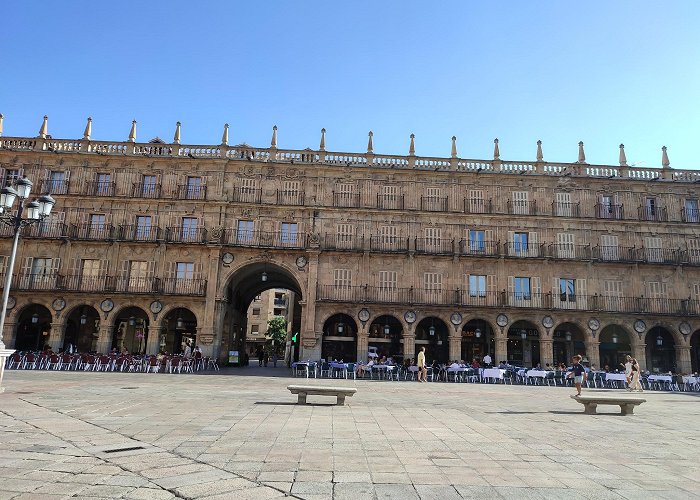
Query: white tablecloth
x=691, y=380
x=662, y=378
x=536, y=373
x=616, y=376
x=493, y=373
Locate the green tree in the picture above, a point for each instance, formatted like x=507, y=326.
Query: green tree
x=277, y=334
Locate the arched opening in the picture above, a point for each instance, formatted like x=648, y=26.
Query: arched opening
x=385, y=338
x=568, y=340
x=477, y=340
x=432, y=333
x=179, y=331
x=82, y=329
x=130, y=331
x=33, y=328
x=695, y=351
x=614, y=346
x=660, y=350
x=339, y=338
x=257, y=293
x=523, y=344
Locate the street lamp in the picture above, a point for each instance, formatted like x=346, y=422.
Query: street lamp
x=36, y=212
x=477, y=333
x=180, y=323
x=523, y=334
x=83, y=319
x=659, y=340
x=567, y=336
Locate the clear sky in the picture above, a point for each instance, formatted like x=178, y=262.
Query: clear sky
x=603, y=72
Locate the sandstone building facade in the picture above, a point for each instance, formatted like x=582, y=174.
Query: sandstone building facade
x=530, y=261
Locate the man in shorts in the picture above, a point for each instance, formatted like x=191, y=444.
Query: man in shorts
x=578, y=372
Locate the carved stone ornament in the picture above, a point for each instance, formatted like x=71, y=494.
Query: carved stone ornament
x=315, y=240
x=205, y=339
x=216, y=233
x=309, y=343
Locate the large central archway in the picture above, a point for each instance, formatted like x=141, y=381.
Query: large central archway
x=239, y=338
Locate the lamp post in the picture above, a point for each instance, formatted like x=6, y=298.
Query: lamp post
x=36, y=211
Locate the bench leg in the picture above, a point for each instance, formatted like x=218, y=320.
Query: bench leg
x=341, y=400
x=590, y=408
x=301, y=398
x=627, y=409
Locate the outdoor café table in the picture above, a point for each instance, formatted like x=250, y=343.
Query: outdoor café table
x=542, y=374
x=620, y=379
x=383, y=370
x=458, y=373
x=660, y=379
x=493, y=374
x=337, y=368
x=308, y=366
x=691, y=382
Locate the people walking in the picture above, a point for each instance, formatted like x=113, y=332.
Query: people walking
x=422, y=370
x=628, y=371
x=635, y=375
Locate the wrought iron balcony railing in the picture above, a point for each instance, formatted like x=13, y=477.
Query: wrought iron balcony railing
x=522, y=207
x=348, y=200
x=477, y=206
x=264, y=239
x=388, y=244
x=290, y=197
x=100, y=188
x=605, y=211
x=479, y=248
x=247, y=195
x=434, y=203
x=435, y=246
x=566, y=209
x=390, y=201
x=190, y=192
x=652, y=213
x=134, y=232
x=348, y=242
x=690, y=215
x=93, y=231
x=145, y=190
x=186, y=234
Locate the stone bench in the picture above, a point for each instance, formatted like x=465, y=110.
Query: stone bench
x=626, y=404
x=304, y=390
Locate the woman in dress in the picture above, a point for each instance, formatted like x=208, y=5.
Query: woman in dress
x=635, y=385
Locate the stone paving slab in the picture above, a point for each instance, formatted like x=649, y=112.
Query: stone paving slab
x=235, y=435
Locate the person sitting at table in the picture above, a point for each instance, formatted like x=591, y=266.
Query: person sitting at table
x=475, y=364
x=454, y=365
x=562, y=367
x=503, y=365
x=538, y=367
x=462, y=364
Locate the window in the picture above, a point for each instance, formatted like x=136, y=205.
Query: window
x=432, y=199
x=521, y=288
x=608, y=247
x=520, y=203
x=650, y=208
x=90, y=274
x=567, y=290
x=148, y=188
x=97, y=222
x=476, y=203
x=390, y=197
x=520, y=243
x=57, y=182
x=11, y=176
x=138, y=275
x=690, y=209
x=184, y=271
x=143, y=227
x=42, y=271
x=194, y=188
x=248, y=186
x=693, y=250
x=477, y=285
x=565, y=246
x=189, y=229
x=289, y=233
x=657, y=290
x=433, y=236
x=607, y=208
x=696, y=291
x=257, y=298
x=477, y=241
x=104, y=185
x=390, y=192
x=432, y=284
x=562, y=206
x=612, y=288
x=245, y=231
x=387, y=280
x=388, y=235
x=256, y=311
x=344, y=234
x=254, y=329
x=342, y=278
x=653, y=249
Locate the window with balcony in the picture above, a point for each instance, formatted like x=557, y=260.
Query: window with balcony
x=345, y=196
x=104, y=185
x=289, y=233
x=139, y=273
x=607, y=208
x=184, y=271
x=520, y=243
x=57, y=182
x=650, y=208
x=691, y=212
x=432, y=285
x=91, y=273
x=97, y=227
x=657, y=290
x=432, y=239
x=388, y=236
x=477, y=285
x=189, y=229
x=12, y=175
x=148, y=186
x=609, y=249
x=696, y=292
x=43, y=273
x=194, y=188
x=387, y=281
x=475, y=202
x=653, y=249
x=344, y=235
x=520, y=203
x=565, y=246
x=143, y=227
x=562, y=205
x=521, y=288
x=244, y=232
x=342, y=278
x=693, y=250
x=567, y=290
x=612, y=288
x=477, y=241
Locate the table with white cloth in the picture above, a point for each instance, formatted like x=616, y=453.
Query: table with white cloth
x=493, y=374
x=620, y=379
x=691, y=381
x=541, y=374
x=660, y=379
x=338, y=369
x=384, y=370
x=458, y=373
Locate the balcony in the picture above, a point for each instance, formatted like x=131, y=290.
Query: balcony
x=145, y=190
x=434, y=246
x=280, y=302
x=522, y=207
x=614, y=254
x=47, y=230
x=93, y=231
x=529, y=251
x=50, y=186
x=81, y=283
x=478, y=248
x=264, y=239
x=566, y=209
x=100, y=188
x=605, y=211
x=136, y=284
x=247, y=195
x=434, y=203
x=690, y=215
x=135, y=232
x=658, y=255
x=346, y=200
x=657, y=214
x=36, y=281
x=290, y=198
x=569, y=252
x=388, y=244
x=185, y=234
x=192, y=192
x=348, y=242
x=177, y=286
x=477, y=206
x=390, y=201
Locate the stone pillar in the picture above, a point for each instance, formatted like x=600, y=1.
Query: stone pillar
x=153, y=340
x=308, y=312
x=527, y=352
x=455, y=347
x=56, y=335
x=593, y=353
x=409, y=345
x=639, y=352
x=205, y=341
x=362, y=344
x=683, y=364
x=546, y=351
x=104, y=341
x=501, y=350
x=9, y=333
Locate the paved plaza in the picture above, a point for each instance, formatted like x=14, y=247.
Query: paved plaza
x=237, y=434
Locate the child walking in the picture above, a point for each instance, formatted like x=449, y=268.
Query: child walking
x=578, y=372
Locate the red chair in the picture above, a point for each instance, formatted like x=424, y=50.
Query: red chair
x=15, y=361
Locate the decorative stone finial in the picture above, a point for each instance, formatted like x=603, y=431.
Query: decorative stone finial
x=176, y=137
x=581, y=154
x=88, y=129
x=412, y=146
x=540, y=156
x=273, y=143
x=454, y=146
x=370, y=146
x=132, y=132
x=664, y=158
x=224, y=136
x=322, y=146
x=623, y=157
x=44, y=130
x=496, y=151
x=1, y=118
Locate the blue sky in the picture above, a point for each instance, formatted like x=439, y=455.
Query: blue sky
x=604, y=72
